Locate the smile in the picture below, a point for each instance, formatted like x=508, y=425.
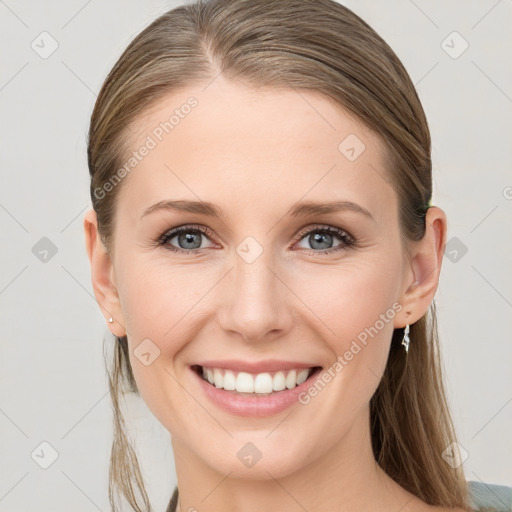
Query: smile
x=255, y=384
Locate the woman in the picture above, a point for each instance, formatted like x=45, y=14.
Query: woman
x=264, y=249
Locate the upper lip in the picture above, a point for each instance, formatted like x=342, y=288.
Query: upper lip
x=268, y=365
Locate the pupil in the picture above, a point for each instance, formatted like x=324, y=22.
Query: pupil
x=189, y=238
x=319, y=237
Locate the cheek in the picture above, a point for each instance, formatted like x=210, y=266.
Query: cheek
x=350, y=297
x=155, y=296
x=161, y=305
x=157, y=307
x=355, y=306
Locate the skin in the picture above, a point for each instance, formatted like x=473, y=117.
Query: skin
x=254, y=152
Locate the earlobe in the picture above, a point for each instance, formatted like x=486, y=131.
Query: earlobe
x=425, y=269
x=102, y=272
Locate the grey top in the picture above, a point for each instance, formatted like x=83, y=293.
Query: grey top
x=483, y=498
x=490, y=497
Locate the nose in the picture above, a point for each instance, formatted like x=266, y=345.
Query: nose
x=256, y=302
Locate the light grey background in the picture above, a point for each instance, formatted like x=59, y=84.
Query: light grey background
x=53, y=387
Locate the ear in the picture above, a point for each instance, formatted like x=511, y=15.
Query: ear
x=103, y=276
x=424, y=267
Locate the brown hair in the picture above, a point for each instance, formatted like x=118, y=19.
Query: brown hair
x=318, y=45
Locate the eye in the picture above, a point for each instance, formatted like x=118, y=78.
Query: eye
x=188, y=237
x=321, y=237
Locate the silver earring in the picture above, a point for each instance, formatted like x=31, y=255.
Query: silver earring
x=111, y=320
x=406, y=340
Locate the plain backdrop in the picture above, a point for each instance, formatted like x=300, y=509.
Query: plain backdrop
x=53, y=388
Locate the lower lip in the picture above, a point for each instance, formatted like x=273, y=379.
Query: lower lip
x=244, y=405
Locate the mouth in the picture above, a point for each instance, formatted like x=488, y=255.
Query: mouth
x=255, y=384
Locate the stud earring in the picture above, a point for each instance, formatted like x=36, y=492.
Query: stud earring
x=406, y=340
x=111, y=320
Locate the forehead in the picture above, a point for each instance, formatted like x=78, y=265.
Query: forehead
x=265, y=145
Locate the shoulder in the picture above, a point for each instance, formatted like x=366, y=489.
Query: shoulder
x=490, y=497
x=484, y=497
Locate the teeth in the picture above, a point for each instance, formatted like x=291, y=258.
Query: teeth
x=291, y=379
x=261, y=383
x=244, y=383
x=217, y=378
x=229, y=382
x=302, y=376
x=279, y=381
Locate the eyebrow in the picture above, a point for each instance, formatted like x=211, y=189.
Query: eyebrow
x=300, y=209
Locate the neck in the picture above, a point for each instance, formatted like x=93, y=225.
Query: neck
x=344, y=478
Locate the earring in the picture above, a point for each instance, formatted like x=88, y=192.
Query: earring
x=111, y=320
x=406, y=340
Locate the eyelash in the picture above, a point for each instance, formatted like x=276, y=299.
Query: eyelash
x=348, y=240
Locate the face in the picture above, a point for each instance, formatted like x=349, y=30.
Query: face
x=258, y=283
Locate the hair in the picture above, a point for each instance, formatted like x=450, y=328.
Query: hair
x=317, y=45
